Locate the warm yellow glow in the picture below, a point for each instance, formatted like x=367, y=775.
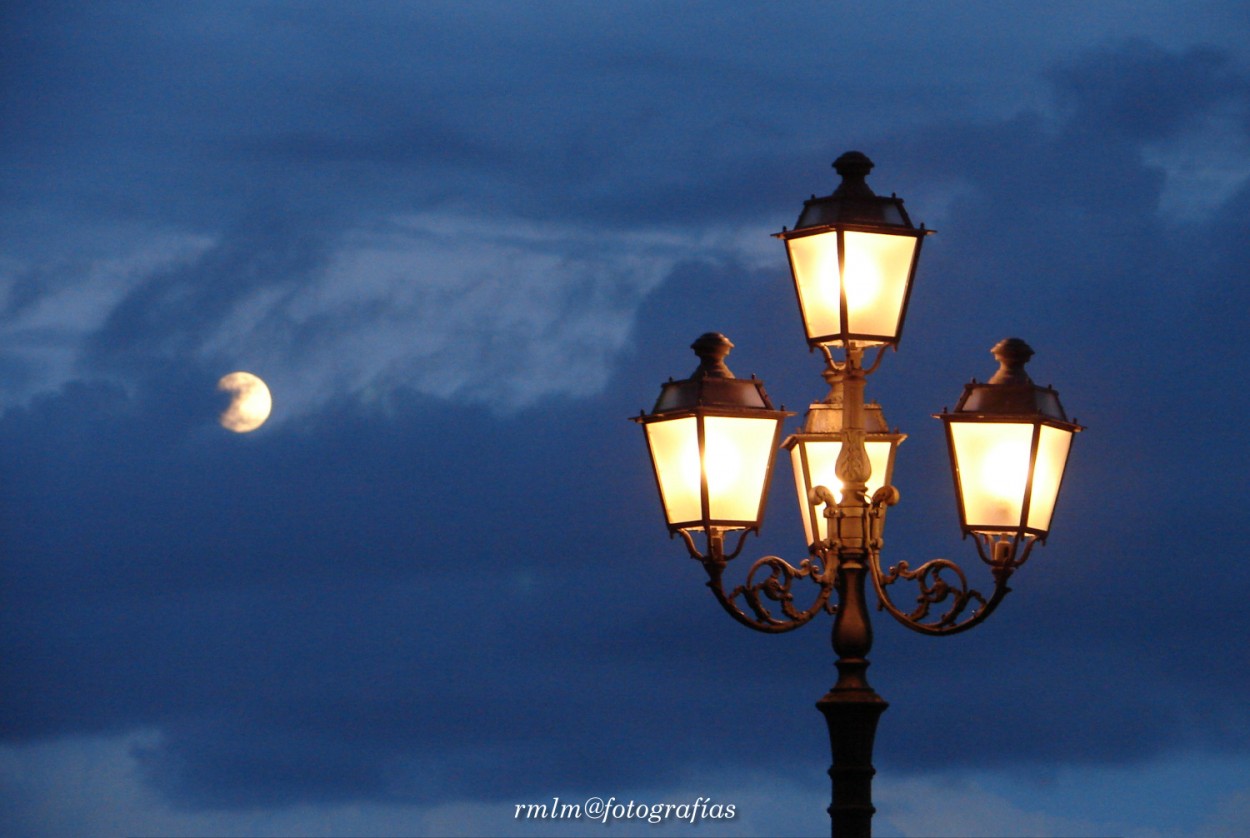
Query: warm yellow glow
x=724, y=463
x=993, y=462
x=815, y=260
x=875, y=272
x=674, y=444
x=822, y=461
x=1004, y=472
x=862, y=277
x=737, y=452
x=1052, y=456
x=249, y=405
x=877, y=267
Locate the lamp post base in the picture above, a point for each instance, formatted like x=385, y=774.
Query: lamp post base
x=852, y=715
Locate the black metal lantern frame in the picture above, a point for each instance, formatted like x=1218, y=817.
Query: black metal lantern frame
x=855, y=524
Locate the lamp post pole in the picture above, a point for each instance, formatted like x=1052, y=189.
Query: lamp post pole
x=852, y=707
x=853, y=256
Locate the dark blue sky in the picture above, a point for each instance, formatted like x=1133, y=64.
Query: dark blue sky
x=462, y=242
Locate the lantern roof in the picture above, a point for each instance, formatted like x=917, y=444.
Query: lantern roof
x=853, y=202
x=712, y=385
x=827, y=416
x=1010, y=391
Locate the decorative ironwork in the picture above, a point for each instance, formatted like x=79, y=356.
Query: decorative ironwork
x=770, y=580
x=775, y=586
x=935, y=589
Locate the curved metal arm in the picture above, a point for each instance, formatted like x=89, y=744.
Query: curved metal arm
x=715, y=546
x=775, y=586
x=935, y=589
x=941, y=580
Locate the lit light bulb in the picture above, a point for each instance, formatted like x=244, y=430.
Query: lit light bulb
x=863, y=282
x=724, y=465
x=1004, y=473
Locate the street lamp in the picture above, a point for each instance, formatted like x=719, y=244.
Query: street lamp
x=713, y=438
x=853, y=255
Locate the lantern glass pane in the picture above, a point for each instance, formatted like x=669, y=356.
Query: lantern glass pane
x=1052, y=456
x=675, y=453
x=992, y=460
x=811, y=515
x=738, y=454
x=822, y=462
x=877, y=269
x=815, y=263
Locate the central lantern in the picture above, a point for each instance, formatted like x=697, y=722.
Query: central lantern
x=853, y=255
x=814, y=453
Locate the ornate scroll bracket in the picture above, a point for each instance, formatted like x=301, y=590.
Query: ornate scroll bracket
x=770, y=584
x=943, y=582
x=944, y=603
x=859, y=529
x=771, y=580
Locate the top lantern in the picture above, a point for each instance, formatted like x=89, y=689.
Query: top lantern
x=853, y=255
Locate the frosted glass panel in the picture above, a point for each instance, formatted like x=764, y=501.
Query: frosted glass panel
x=993, y=463
x=1052, y=456
x=877, y=267
x=738, y=454
x=815, y=262
x=675, y=450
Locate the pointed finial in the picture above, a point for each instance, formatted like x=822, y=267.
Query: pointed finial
x=712, y=347
x=1012, y=354
x=853, y=166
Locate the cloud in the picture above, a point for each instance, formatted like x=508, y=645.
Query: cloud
x=97, y=786
x=50, y=309
x=499, y=315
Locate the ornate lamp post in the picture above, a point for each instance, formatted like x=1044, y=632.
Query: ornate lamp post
x=712, y=439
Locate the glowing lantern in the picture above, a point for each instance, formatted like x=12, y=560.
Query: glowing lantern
x=712, y=439
x=853, y=255
x=814, y=454
x=1008, y=442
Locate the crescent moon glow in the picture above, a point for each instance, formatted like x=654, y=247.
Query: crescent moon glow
x=250, y=402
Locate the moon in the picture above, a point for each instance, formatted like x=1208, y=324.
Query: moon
x=250, y=402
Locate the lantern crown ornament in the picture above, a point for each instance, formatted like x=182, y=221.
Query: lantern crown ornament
x=853, y=256
x=712, y=384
